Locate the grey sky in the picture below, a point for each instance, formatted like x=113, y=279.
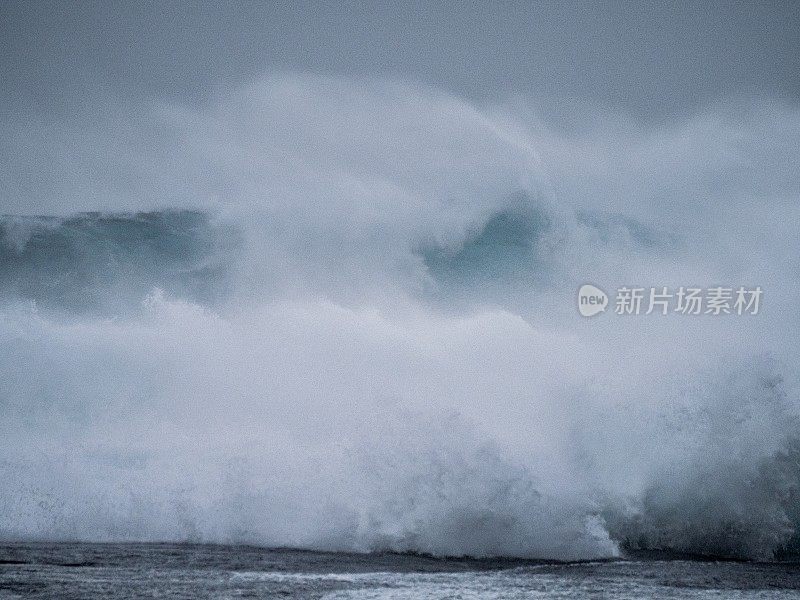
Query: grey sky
x=652, y=60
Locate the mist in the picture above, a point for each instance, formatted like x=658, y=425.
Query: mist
x=339, y=313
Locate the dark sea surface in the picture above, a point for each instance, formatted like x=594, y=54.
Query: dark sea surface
x=48, y=570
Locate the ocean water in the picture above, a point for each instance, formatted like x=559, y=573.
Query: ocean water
x=63, y=570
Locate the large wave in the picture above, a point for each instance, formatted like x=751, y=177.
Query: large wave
x=370, y=342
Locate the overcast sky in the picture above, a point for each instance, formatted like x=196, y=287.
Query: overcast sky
x=652, y=60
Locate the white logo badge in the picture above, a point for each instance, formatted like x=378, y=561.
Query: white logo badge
x=591, y=300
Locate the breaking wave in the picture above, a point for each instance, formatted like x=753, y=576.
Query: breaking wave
x=364, y=357
x=85, y=263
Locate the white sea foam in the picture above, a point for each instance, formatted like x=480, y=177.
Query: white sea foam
x=366, y=338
